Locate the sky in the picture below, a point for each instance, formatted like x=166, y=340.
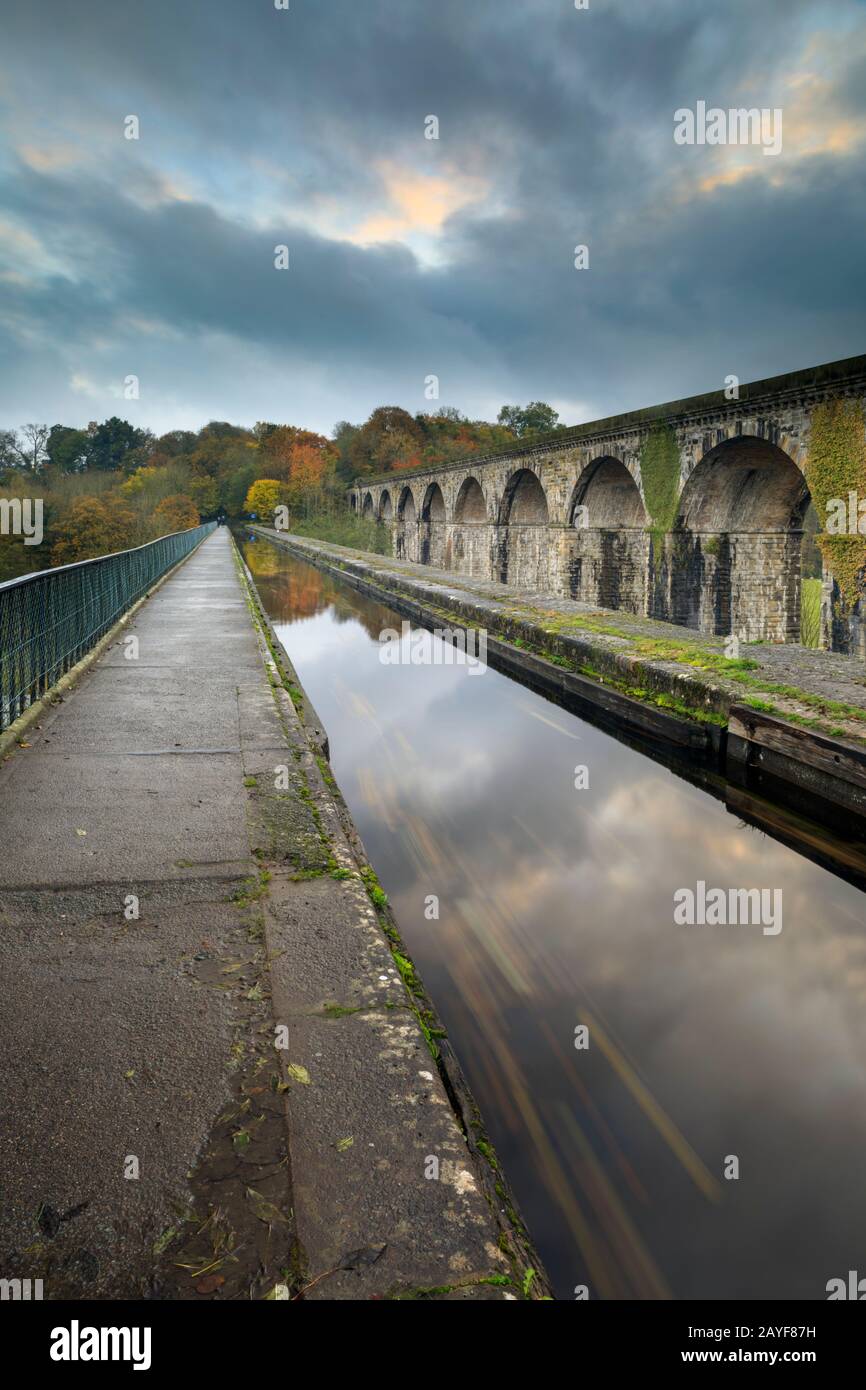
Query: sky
x=411, y=258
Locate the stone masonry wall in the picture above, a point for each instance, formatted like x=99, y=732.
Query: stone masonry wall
x=727, y=561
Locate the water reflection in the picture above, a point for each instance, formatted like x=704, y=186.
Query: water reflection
x=556, y=910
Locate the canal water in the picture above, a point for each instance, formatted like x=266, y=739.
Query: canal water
x=627, y=1065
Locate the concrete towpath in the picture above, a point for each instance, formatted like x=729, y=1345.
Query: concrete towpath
x=214, y=1083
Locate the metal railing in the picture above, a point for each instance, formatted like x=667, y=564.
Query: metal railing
x=51, y=619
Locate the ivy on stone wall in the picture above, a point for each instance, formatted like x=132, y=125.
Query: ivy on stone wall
x=660, y=474
x=835, y=468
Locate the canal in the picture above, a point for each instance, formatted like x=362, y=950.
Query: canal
x=680, y=1109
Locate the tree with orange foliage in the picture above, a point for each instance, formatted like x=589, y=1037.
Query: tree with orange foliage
x=175, y=513
x=307, y=475
x=286, y=442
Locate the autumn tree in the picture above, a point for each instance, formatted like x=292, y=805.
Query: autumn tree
x=205, y=494
x=306, y=477
x=390, y=437
x=176, y=513
x=264, y=496
x=91, y=527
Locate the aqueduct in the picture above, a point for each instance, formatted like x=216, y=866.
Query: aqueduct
x=691, y=511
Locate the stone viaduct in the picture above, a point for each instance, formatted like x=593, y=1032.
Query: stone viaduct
x=692, y=511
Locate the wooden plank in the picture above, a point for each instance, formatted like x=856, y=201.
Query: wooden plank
x=836, y=758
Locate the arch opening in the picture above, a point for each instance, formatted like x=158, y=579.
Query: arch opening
x=385, y=507
x=522, y=548
x=470, y=506
x=745, y=485
x=434, y=504
x=610, y=496
x=469, y=545
x=608, y=543
x=525, y=501
x=368, y=509
x=432, y=540
x=406, y=531
x=406, y=506
x=734, y=557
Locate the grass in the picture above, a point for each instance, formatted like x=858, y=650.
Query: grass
x=810, y=613
x=343, y=528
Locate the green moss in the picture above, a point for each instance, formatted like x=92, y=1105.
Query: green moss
x=485, y=1148
x=251, y=889
x=836, y=466
x=660, y=475
x=325, y=768
x=378, y=897
x=440, y=1290
x=339, y=1011
x=296, y=695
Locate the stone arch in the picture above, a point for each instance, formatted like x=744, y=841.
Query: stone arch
x=522, y=547
x=406, y=529
x=386, y=509
x=406, y=510
x=744, y=484
x=433, y=506
x=610, y=495
x=367, y=509
x=524, y=502
x=471, y=505
x=471, y=531
x=734, y=557
x=607, y=549
x=432, y=531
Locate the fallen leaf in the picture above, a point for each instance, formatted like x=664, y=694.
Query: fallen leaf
x=162, y=1242
x=264, y=1210
x=209, y=1284
x=298, y=1073
x=344, y=1144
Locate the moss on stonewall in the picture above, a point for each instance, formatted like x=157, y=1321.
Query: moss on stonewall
x=660, y=475
x=835, y=467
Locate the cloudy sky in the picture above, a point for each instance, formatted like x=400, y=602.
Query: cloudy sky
x=412, y=257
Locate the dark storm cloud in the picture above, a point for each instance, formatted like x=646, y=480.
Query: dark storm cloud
x=302, y=127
